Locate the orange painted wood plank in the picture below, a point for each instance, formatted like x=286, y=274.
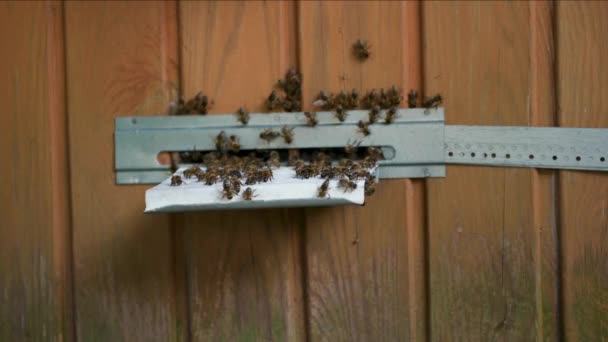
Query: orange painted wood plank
x=121, y=60
x=35, y=284
x=243, y=267
x=582, y=49
x=365, y=267
x=490, y=229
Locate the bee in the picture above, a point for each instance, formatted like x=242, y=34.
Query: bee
x=210, y=177
x=394, y=97
x=374, y=113
x=391, y=115
x=305, y=171
x=234, y=144
x=287, y=134
x=325, y=101
x=191, y=171
x=351, y=148
x=196, y=105
x=242, y=115
x=374, y=152
x=358, y=173
x=236, y=184
x=297, y=163
x=227, y=191
x=274, y=159
x=346, y=162
x=369, y=162
x=364, y=128
x=347, y=185
x=311, y=119
x=327, y=172
x=176, y=180
x=269, y=135
x=251, y=176
x=412, y=99
x=248, y=194
x=361, y=50
x=273, y=101
x=265, y=175
x=433, y=102
x=340, y=113
x=322, y=191
x=220, y=141
x=353, y=100
x=370, y=186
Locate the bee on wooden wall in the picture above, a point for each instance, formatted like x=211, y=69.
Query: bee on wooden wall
x=269, y=135
x=353, y=100
x=412, y=99
x=273, y=102
x=322, y=191
x=391, y=115
x=347, y=185
x=248, y=194
x=242, y=115
x=361, y=50
x=311, y=119
x=394, y=97
x=287, y=134
x=432, y=102
x=364, y=128
x=176, y=180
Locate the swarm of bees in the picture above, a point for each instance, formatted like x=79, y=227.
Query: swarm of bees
x=361, y=50
x=196, y=105
x=291, y=87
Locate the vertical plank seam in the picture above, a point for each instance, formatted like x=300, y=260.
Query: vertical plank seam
x=540, y=192
x=557, y=192
x=181, y=275
x=419, y=309
x=302, y=228
x=60, y=171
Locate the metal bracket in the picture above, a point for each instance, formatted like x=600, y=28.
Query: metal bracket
x=539, y=147
x=412, y=144
x=416, y=144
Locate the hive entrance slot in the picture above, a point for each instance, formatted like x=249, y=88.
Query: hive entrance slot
x=306, y=154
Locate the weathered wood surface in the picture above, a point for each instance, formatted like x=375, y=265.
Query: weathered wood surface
x=364, y=264
x=582, y=49
x=513, y=254
x=121, y=60
x=484, y=230
x=242, y=267
x=34, y=261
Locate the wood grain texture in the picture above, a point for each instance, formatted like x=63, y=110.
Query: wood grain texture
x=35, y=290
x=582, y=48
x=542, y=112
x=365, y=267
x=485, y=223
x=121, y=59
x=243, y=267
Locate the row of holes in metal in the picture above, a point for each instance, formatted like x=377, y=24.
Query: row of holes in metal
x=508, y=156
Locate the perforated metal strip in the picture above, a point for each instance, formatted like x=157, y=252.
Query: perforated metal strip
x=539, y=147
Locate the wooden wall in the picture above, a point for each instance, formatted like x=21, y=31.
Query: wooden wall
x=483, y=254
